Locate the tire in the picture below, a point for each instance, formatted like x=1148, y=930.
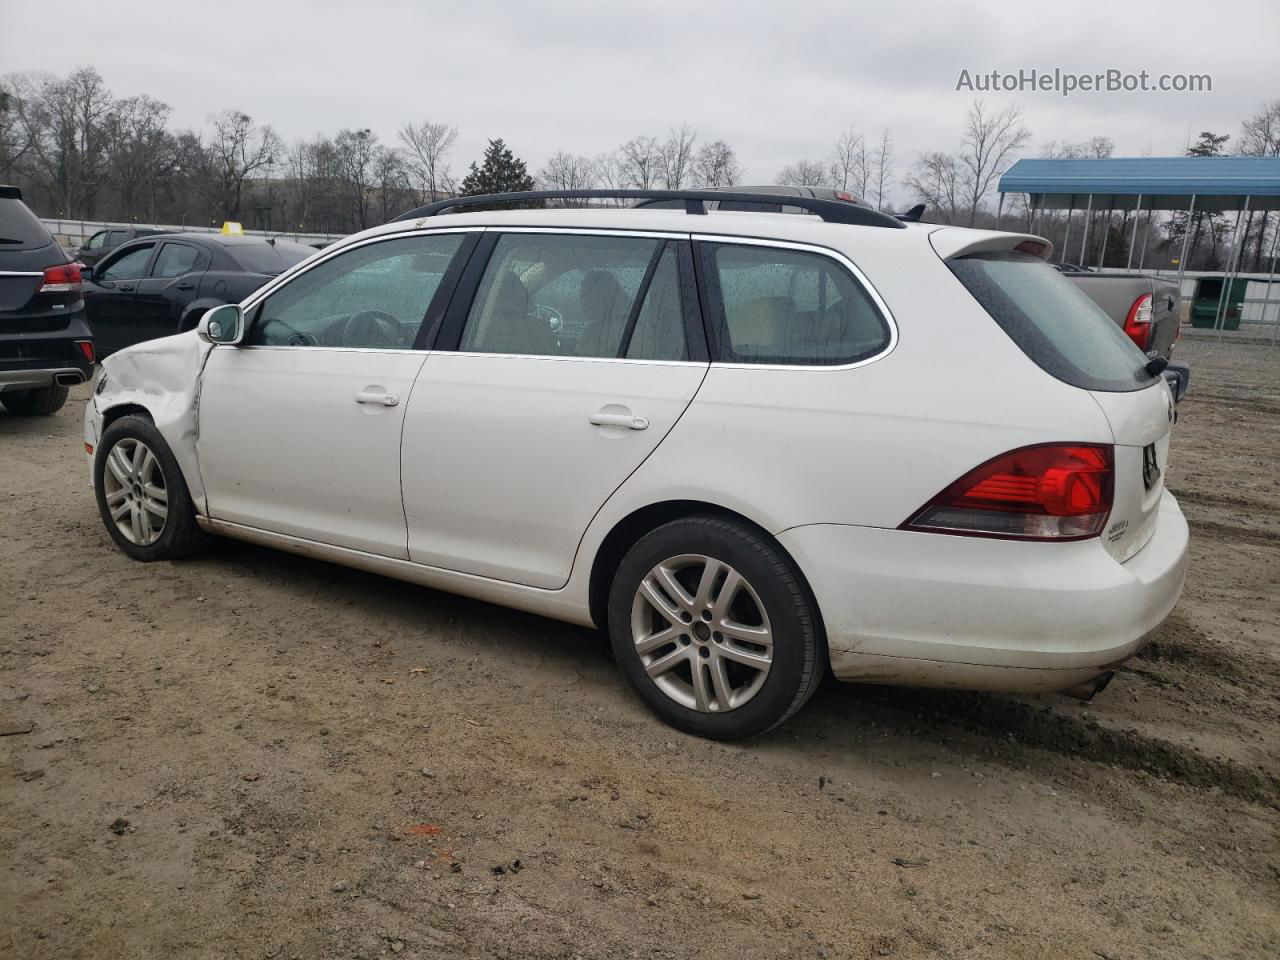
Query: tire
x=39, y=402
x=709, y=635
x=143, y=481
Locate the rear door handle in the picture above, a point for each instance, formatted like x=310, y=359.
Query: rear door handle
x=125, y=288
x=377, y=396
x=619, y=420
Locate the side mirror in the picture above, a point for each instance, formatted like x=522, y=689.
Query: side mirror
x=1178, y=376
x=224, y=324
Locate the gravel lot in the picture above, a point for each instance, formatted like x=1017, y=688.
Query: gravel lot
x=254, y=755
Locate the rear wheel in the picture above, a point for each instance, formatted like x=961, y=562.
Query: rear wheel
x=141, y=494
x=713, y=628
x=39, y=402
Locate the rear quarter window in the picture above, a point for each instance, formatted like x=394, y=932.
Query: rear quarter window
x=1056, y=325
x=789, y=307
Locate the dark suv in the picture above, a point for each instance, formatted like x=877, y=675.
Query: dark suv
x=45, y=344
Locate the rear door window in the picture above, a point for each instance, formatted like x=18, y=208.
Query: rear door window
x=1053, y=321
x=579, y=296
x=175, y=259
x=789, y=307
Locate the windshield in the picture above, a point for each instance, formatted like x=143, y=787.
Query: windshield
x=19, y=227
x=1055, y=324
x=268, y=258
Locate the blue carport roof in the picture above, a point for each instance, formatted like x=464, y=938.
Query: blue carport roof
x=1164, y=182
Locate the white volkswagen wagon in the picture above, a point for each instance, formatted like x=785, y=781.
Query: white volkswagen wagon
x=749, y=445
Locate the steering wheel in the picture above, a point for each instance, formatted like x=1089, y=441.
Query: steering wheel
x=371, y=328
x=554, y=319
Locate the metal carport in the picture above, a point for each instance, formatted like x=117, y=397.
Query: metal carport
x=1150, y=184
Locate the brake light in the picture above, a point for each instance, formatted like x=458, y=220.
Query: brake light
x=63, y=279
x=86, y=347
x=846, y=196
x=1055, y=491
x=1137, y=325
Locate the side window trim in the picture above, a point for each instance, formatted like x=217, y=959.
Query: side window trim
x=642, y=292
x=713, y=302
x=449, y=334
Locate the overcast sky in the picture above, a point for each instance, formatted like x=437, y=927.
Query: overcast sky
x=777, y=80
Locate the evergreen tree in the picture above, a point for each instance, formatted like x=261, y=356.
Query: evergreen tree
x=500, y=172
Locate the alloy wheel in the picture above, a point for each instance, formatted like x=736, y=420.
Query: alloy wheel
x=702, y=633
x=135, y=491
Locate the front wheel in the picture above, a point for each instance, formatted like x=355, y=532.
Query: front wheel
x=39, y=402
x=714, y=629
x=141, y=494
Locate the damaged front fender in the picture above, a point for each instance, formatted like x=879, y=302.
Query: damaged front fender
x=163, y=377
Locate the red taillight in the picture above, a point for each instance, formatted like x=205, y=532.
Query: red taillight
x=86, y=347
x=63, y=279
x=1055, y=491
x=1137, y=325
x=846, y=196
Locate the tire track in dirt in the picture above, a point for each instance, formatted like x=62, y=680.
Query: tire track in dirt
x=995, y=715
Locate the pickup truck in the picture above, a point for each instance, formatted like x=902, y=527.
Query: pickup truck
x=1146, y=308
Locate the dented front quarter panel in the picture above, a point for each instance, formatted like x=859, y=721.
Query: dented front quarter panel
x=163, y=377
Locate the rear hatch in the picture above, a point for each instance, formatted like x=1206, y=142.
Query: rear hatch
x=1141, y=422
x=26, y=251
x=1070, y=337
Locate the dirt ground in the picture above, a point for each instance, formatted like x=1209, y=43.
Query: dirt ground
x=253, y=755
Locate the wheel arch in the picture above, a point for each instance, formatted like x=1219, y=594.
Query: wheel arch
x=628, y=531
x=112, y=414
x=195, y=310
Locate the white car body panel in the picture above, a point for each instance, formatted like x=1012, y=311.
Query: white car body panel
x=509, y=492
x=502, y=468
x=285, y=446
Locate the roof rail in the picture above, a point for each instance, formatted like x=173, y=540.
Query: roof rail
x=832, y=211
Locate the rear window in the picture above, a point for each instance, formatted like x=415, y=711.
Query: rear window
x=267, y=258
x=20, y=229
x=1053, y=322
x=790, y=307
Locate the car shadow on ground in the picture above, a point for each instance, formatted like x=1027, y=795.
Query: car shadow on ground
x=966, y=723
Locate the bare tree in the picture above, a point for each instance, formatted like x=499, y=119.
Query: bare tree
x=609, y=171
x=237, y=149
x=568, y=171
x=882, y=166
x=991, y=138
x=62, y=124
x=357, y=152
x=849, y=163
x=428, y=145
x=677, y=157
x=1260, y=134
x=391, y=174
x=936, y=180
x=716, y=165
x=804, y=173
x=641, y=160
x=139, y=152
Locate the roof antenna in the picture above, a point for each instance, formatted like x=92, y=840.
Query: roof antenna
x=913, y=215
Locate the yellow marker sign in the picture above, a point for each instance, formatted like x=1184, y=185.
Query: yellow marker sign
x=232, y=229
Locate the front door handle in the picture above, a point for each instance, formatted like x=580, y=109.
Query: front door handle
x=184, y=285
x=619, y=420
x=125, y=288
x=377, y=396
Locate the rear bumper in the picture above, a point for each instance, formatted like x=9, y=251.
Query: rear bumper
x=39, y=359
x=938, y=610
